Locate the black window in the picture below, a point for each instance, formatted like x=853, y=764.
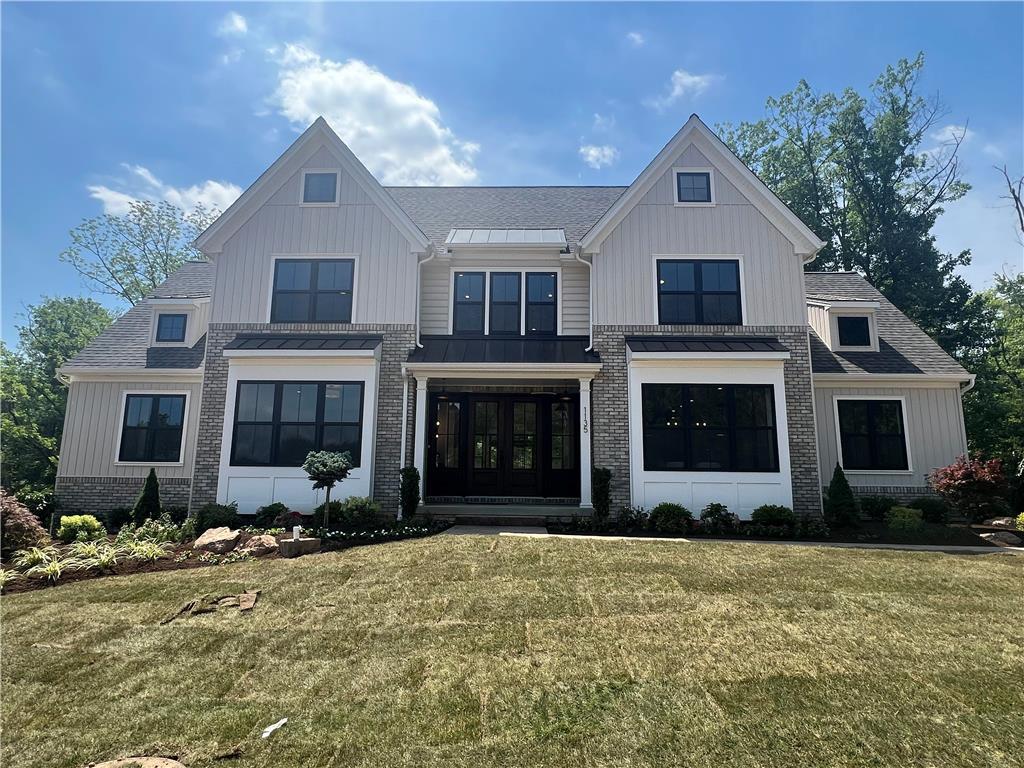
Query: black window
x=872, y=434
x=505, y=306
x=709, y=428
x=468, y=311
x=541, y=303
x=278, y=423
x=312, y=291
x=694, y=292
x=854, y=331
x=320, y=188
x=152, y=428
x=693, y=187
x=171, y=327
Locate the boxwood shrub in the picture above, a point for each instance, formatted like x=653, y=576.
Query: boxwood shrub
x=670, y=518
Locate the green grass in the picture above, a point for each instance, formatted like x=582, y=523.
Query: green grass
x=472, y=651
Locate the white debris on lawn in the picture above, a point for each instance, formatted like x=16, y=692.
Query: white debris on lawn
x=271, y=728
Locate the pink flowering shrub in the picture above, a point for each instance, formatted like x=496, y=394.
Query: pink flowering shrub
x=972, y=486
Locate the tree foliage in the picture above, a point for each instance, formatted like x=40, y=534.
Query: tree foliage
x=325, y=469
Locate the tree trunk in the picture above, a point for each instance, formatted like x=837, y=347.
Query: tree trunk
x=327, y=509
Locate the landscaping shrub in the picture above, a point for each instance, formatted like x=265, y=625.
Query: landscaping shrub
x=933, y=509
x=717, y=520
x=217, y=516
x=158, y=531
x=268, y=516
x=177, y=515
x=875, y=507
x=409, y=491
x=80, y=528
x=775, y=515
x=601, y=490
x=904, y=519
x=19, y=528
x=840, y=504
x=116, y=519
x=353, y=514
x=1020, y=522
x=670, y=518
x=630, y=519
x=973, y=487
x=148, y=504
x=811, y=528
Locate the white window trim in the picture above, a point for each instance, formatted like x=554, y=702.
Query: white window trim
x=737, y=257
x=675, y=187
x=337, y=187
x=157, y=312
x=275, y=257
x=120, y=428
x=523, y=272
x=833, y=328
x=906, y=435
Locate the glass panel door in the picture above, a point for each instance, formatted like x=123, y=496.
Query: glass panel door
x=484, y=445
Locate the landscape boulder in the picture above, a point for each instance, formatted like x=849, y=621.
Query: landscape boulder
x=218, y=540
x=1000, y=522
x=1003, y=537
x=263, y=544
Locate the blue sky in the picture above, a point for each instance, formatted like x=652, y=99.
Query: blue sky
x=191, y=102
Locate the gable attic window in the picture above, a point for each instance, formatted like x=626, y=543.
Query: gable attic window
x=170, y=327
x=319, y=187
x=694, y=187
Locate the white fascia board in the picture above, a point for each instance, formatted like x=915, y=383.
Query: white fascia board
x=864, y=304
x=718, y=357
x=321, y=353
x=502, y=370
x=79, y=373
x=891, y=379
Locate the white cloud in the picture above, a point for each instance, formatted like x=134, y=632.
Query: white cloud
x=953, y=133
x=233, y=25
x=603, y=122
x=396, y=131
x=636, y=38
x=598, y=156
x=683, y=85
x=141, y=184
x=994, y=151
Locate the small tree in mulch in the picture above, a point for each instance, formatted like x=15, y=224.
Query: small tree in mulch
x=409, y=491
x=19, y=528
x=147, y=506
x=973, y=487
x=840, y=504
x=326, y=469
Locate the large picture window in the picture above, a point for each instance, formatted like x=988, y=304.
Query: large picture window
x=709, y=428
x=278, y=423
x=872, y=435
x=699, y=292
x=152, y=428
x=542, y=303
x=468, y=309
x=312, y=291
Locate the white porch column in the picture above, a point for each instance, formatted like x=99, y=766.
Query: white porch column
x=420, y=436
x=586, y=464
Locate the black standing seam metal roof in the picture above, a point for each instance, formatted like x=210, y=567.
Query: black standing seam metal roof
x=705, y=344
x=476, y=349
x=306, y=342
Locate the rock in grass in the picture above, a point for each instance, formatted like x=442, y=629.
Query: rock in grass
x=141, y=762
x=218, y=540
x=263, y=544
x=1000, y=522
x=1002, y=537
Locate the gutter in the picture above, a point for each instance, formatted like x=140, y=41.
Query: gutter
x=590, y=302
x=970, y=384
x=419, y=290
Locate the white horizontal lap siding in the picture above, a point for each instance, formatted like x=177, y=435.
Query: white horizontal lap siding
x=933, y=422
x=92, y=425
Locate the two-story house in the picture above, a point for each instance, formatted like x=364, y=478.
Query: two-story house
x=505, y=341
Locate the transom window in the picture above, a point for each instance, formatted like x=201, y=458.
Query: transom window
x=320, y=187
x=278, y=423
x=693, y=187
x=872, y=435
x=505, y=303
x=171, y=327
x=312, y=291
x=709, y=428
x=699, y=292
x=468, y=310
x=152, y=428
x=854, y=330
x=541, y=303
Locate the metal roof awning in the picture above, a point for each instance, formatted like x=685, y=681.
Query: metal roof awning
x=455, y=349
x=507, y=238
x=249, y=344
x=710, y=347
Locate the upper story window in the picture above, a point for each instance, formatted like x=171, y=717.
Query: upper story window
x=468, y=309
x=152, y=427
x=694, y=187
x=872, y=435
x=171, y=327
x=505, y=310
x=541, y=303
x=854, y=330
x=319, y=187
x=696, y=292
x=312, y=291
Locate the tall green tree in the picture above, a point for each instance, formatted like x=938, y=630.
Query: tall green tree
x=33, y=400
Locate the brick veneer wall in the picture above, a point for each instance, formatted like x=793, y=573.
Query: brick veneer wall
x=611, y=415
x=398, y=340
x=901, y=493
x=93, y=495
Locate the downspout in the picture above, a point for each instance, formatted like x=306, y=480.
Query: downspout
x=590, y=302
x=970, y=385
x=419, y=290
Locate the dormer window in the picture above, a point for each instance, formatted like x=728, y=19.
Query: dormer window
x=319, y=187
x=844, y=323
x=694, y=186
x=170, y=328
x=854, y=331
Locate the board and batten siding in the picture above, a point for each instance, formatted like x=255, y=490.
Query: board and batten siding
x=92, y=424
x=385, y=284
x=624, y=277
x=934, y=423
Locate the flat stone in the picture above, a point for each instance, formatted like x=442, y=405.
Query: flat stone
x=1003, y=537
x=1001, y=522
x=141, y=762
x=303, y=546
x=218, y=540
x=263, y=544
x=247, y=600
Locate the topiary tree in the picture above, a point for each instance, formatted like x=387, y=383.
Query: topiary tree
x=409, y=491
x=326, y=469
x=840, y=504
x=147, y=506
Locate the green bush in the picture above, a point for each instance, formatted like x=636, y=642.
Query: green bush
x=630, y=519
x=268, y=516
x=19, y=528
x=601, y=490
x=775, y=515
x=353, y=514
x=80, y=528
x=840, y=504
x=148, y=504
x=670, y=518
x=717, y=520
x=875, y=507
x=1020, y=522
x=159, y=531
x=217, y=516
x=177, y=515
x=933, y=509
x=904, y=519
x=116, y=519
x=409, y=491
x=811, y=528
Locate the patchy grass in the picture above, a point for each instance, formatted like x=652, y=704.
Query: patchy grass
x=472, y=651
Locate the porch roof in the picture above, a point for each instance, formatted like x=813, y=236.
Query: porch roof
x=460, y=349
x=738, y=344
x=304, y=341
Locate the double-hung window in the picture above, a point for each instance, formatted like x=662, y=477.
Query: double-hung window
x=468, y=309
x=872, y=435
x=171, y=327
x=699, y=292
x=504, y=313
x=152, y=428
x=312, y=291
x=541, y=303
x=278, y=423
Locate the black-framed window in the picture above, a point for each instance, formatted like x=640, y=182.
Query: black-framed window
x=468, y=310
x=542, y=303
x=505, y=303
x=693, y=187
x=278, y=422
x=709, y=428
x=320, y=187
x=312, y=291
x=171, y=327
x=152, y=428
x=872, y=434
x=854, y=330
x=699, y=292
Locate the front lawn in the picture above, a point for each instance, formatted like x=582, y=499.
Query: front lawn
x=483, y=651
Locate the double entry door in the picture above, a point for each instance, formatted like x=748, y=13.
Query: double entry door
x=485, y=445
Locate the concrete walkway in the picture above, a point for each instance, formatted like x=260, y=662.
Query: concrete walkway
x=495, y=530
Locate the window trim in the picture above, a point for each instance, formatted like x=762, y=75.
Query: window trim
x=738, y=258
x=520, y=301
x=184, y=327
x=833, y=320
x=906, y=434
x=526, y=304
x=274, y=258
x=337, y=187
x=485, y=304
x=120, y=427
x=693, y=169
x=522, y=271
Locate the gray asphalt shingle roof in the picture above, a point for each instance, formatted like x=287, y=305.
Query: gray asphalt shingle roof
x=902, y=346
